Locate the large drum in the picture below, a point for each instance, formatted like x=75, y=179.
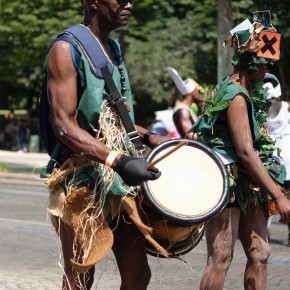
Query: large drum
x=193, y=188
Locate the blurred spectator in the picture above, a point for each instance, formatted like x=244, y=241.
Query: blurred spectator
x=12, y=135
x=278, y=125
x=183, y=116
x=23, y=137
x=158, y=127
x=163, y=124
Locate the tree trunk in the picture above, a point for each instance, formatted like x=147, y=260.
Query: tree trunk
x=224, y=25
x=284, y=69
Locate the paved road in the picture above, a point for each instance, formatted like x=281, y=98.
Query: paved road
x=28, y=249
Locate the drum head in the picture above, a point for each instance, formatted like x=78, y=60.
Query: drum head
x=193, y=186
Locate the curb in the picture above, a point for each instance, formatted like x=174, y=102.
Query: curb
x=21, y=179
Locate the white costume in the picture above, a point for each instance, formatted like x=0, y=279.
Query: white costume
x=184, y=87
x=278, y=122
x=279, y=128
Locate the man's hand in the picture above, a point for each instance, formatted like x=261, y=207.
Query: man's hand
x=134, y=170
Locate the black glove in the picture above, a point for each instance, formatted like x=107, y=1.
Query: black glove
x=134, y=170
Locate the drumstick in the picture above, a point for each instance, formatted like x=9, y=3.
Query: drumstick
x=151, y=164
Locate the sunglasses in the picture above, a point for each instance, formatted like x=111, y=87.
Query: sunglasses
x=125, y=2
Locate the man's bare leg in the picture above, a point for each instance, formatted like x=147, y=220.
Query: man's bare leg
x=130, y=253
x=69, y=282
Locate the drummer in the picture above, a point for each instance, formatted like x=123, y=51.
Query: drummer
x=94, y=164
x=232, y=124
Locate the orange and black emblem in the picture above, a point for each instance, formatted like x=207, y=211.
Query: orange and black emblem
x=270, y=45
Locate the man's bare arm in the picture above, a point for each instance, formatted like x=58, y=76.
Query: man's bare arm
x=62, y=93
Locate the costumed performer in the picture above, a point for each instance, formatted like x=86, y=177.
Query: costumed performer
x=232, y=125
x=278, y=124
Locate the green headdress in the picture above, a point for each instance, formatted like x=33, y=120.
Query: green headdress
x=256, y=43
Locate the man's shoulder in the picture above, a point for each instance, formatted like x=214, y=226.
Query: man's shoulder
x=59, y=54
x=60, y=45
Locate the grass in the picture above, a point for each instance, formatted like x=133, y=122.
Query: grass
x=3, y=167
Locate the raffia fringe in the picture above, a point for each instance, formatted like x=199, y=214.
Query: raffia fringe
x=80, y=210
x=77, y=209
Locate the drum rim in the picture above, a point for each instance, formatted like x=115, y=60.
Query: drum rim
x=185, y=221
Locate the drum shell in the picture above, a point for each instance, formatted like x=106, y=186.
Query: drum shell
x=177, y=240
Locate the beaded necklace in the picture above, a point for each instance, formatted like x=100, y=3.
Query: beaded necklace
x=118, y=58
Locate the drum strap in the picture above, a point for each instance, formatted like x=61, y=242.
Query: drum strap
x=122, y=110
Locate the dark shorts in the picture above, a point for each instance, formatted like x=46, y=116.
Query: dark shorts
x=243, y=190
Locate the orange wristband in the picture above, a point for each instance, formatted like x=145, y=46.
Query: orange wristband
x=111, y=157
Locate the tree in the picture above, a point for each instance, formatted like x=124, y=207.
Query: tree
x=225, y=24
x=181, y=35
x=178, y=33
x=26, y=27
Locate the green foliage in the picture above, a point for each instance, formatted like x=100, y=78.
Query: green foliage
x=215, y=103
x=265, y=145
x=177, y=33
x=26, y=28
x=261, y=105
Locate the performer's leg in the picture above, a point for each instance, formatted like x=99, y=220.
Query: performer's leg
x=130, y=253
x=69, y=282
x=221, y=234
x=253, y=236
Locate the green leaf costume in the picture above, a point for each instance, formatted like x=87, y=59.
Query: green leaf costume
x=215, y=133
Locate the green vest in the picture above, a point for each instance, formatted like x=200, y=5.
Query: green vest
x=89, y=109
x=215, y=133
